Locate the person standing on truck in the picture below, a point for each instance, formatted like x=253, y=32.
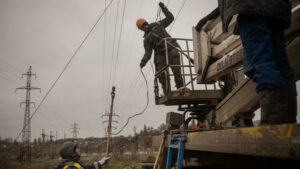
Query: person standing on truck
x=70, y=154
x=261, y=25
x=154, y=40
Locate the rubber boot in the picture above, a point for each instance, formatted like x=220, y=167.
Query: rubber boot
x=274, y=107
x=292, y=108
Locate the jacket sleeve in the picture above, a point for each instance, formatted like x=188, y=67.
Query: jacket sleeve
x=213, y=15
x=169, y=17
x=148, y=51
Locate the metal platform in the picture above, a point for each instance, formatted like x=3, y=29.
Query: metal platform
x=276, y=141
x=189, y=97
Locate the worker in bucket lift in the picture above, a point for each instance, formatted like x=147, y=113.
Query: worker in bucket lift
x=261, y=25
x=153, y=40
x=70, y=154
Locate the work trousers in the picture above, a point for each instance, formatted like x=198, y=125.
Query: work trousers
x=265, y=59
x=160, y=63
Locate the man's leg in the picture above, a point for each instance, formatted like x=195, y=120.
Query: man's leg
x=286, y=71
x=174, y=59
x=261, y=67
x=159, y=65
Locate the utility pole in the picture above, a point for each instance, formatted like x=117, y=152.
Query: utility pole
x=56, y=135
x=75, y=130
x=51, y=137
x=43, y=135
x=50, y=145
x=25, y=154
x=109, y=122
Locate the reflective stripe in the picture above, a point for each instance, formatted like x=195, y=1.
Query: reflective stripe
x=296, y=8
x=77, y=165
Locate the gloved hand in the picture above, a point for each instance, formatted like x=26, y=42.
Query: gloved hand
x=143, y=63
x=103, y=160
x=161, y=5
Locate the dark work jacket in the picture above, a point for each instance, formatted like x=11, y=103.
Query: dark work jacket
x=74, y=165
x=276, y=9
x=153, y=37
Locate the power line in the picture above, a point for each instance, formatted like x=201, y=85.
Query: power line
x=52, y=86
x=139, y=87
x=137, y=114
x=103, y=57
x=8, y=72
x=9, y=80
x=177, y=15
x=131, y=51
x=120, y=36
x=10, y=66
x=113, y=47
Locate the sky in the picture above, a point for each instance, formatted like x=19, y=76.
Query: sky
x=45, y=34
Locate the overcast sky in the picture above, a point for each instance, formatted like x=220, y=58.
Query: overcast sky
x=45, y=34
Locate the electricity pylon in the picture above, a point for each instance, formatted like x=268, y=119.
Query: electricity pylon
x=75, y=130
x=25, y=154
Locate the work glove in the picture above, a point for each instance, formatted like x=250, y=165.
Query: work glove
x=103, y=160
x=161, y=5
x=143, y=63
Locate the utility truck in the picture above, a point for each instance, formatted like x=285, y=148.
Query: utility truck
x=214, y=127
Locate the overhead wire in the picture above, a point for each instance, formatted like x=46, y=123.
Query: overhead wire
x=124, y=97
x=103, y=57
x=113, y=47
x=118, y=47
x=137, y=114
x=9, y=72
x=9, y=80
x=177, y=15
x=128, y=119
x=112, y=56
x=56, y=80
x=10, y=65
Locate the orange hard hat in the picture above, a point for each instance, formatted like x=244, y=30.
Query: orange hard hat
x=140, y=22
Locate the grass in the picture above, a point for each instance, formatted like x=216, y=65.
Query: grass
x=47, y=163
x=123, y=165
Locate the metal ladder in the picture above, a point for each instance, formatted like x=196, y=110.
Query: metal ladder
x=180, y=146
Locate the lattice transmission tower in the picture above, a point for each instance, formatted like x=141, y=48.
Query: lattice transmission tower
x=75, y=130
x=25, y=153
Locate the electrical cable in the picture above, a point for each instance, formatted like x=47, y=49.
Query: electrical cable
x=177, y=15
x=118, y=47
x=9, y=72
x=9, y=80
x=137, y=114
x=14, y=68
x=103, y=57
x=52, y=86
x=113, y=47
x=134, y=96
x=131, y=50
